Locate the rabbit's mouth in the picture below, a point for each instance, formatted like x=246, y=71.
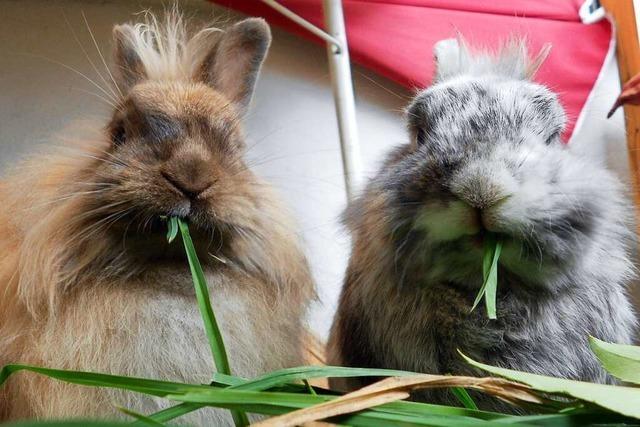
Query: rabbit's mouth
x=198, y=222
x=147, y=240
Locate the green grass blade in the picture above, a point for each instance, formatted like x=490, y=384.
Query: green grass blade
x=223, y=380
x=463, y=396
x=216, y=342
x=181, y=409
x=419, y=409
x=488, y=290
x=623, y=400
x=302, y=373
x=404, y=408
x=289, y=375
x=576, y=418
x=305, y=373
x=309, y=388
x=487, y=256
x=409, y=409
x=621, y=361
x=174, y=412
x=141, y=385
x=68, y=423
x=143, y=420
x=487, y=259
x=268, y=403
x=172, y=232
x=274, y=403
x=490, y=293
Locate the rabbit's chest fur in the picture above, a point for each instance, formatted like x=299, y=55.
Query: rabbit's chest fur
x=151, y=328
x=420, y=327
x=544, y=334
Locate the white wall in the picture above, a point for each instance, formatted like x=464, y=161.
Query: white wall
x=291, y=128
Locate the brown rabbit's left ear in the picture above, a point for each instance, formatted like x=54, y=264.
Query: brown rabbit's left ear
x=233, y=64
x=129, y=66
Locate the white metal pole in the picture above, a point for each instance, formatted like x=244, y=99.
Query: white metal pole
x=343, y=96
x=338, y=54
x=301, y=21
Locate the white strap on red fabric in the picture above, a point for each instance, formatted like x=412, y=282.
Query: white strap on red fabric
x=591, y=12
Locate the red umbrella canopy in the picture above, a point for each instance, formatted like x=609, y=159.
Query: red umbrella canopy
x=395, y=38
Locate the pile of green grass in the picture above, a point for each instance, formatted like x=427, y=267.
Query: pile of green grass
x=558, y=401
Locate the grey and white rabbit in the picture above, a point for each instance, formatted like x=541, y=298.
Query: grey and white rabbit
x=485, y=155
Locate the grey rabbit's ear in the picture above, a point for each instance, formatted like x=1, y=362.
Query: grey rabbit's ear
x=448, y=57
x=233, y=64
x=453, y=58
x=130, y=69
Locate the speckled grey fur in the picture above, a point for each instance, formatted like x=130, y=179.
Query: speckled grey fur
x=486, y=153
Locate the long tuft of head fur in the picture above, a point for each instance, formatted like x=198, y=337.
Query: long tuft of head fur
x=454, y=57
x=166, y=47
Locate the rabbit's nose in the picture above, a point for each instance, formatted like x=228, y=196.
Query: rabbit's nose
x=481, y=188
x=189, y=177
x=481, y=197
x=480, y=192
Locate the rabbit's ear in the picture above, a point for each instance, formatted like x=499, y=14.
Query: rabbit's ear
x=129, y=66
x=450, y=56
x=233, y=64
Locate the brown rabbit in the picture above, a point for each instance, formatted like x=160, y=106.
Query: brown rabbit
x=87, y=279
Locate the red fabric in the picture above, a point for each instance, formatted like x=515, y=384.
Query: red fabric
x=395, y=38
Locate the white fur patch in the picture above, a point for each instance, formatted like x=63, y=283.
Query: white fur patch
x=447, y=222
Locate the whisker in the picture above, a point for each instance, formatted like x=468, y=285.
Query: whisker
x=75, y=36
x=110, y=103
x=383, y=87
x=95, y=43
x=81, y=153
x=102, y=225
x=93, y=212
x=65, y=197
x=61, y=64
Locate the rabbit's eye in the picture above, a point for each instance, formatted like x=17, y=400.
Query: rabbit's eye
x=119, y=135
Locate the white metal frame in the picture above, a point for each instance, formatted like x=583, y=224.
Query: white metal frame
x=338, y=54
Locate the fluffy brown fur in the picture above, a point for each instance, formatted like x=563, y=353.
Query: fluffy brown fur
x=87, y=280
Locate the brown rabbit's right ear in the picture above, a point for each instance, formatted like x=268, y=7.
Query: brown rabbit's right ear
x=233, y=64
x=129, y=66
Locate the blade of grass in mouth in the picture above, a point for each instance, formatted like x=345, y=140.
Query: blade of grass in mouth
x=492, y=250
x=216, y=342
x=172, y=232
